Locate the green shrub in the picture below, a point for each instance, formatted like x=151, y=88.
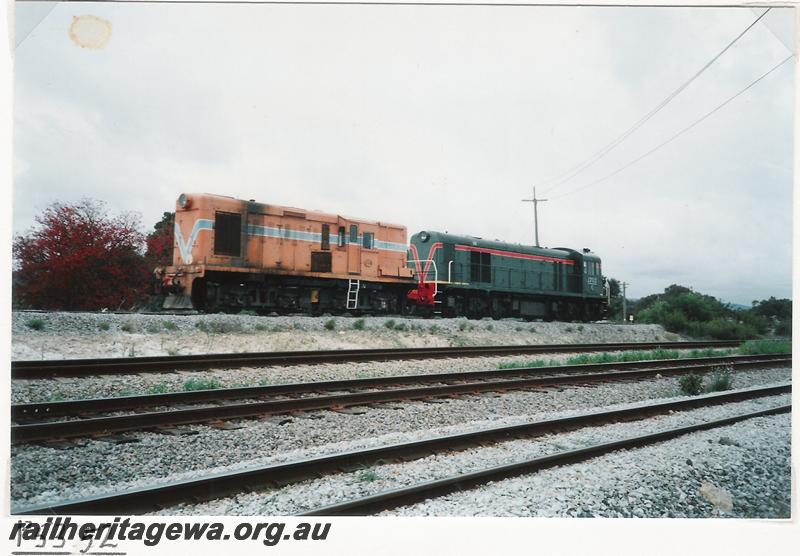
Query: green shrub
x=400, y=326
x=568, y=329
x=35, y=324
x=169, y=325
x=201, y=384
x=720, y=380
x=330, y=324
x=127, y=327
x=360, y=324
x=153, y=328
x=489, y=327
x=723, y=329
x=783, y=328
x=390, y=324
x=764, y=347
x=518, y=328
x=260, y=327
x=691, y=384
x=433, y=329
x=104, y=326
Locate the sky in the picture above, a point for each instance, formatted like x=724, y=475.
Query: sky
x=436, y=117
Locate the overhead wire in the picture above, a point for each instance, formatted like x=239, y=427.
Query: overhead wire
x=678, y=134
x=564, y=177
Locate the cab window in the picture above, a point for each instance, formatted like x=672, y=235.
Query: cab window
x=325, y=242
x=368, y=240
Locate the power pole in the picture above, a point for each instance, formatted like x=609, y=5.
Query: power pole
x=624, y=304
x=535, y=202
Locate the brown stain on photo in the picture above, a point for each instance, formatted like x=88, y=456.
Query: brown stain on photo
x=88, y=31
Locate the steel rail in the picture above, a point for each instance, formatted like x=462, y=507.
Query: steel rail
x=408, y=495
x=26, y=412
x=118, y=365
x=142, y=421
x=154, y=497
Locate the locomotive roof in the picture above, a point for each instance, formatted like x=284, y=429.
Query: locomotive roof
x=298, y=212
x=563, y=252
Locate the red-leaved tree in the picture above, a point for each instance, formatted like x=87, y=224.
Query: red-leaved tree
x=79, y=257
x=160, y=242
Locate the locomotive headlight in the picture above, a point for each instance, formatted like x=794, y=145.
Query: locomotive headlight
x=424, y=236
x=184, y=201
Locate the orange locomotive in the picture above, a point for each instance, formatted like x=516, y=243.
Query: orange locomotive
x=231, y=254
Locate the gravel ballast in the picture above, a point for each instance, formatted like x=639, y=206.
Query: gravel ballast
x=40, y=474
x=37, y=336
x=743, y=470
x=620, y=485
x=703, y=474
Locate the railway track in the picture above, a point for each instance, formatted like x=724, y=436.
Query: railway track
x=217, y=485
x=31, y=370
x=34, y=424
x=404, y=496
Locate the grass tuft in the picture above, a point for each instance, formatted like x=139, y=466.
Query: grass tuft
x=721, y=380
x=35, y=324
x=330, y=324
x=360, y=324
x=691, y=384
x=368, y=475
x=201, y=384
x=160, y=388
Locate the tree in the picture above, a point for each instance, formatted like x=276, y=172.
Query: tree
x=680, y=309
x=79, y=257
x=160, y=242
x=615, y=301
x=778, y=312
x=778, y=309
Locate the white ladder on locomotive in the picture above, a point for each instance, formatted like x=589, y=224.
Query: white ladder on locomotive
x=353, y=286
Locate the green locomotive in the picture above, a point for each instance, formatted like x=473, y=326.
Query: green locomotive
x=473, y=277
